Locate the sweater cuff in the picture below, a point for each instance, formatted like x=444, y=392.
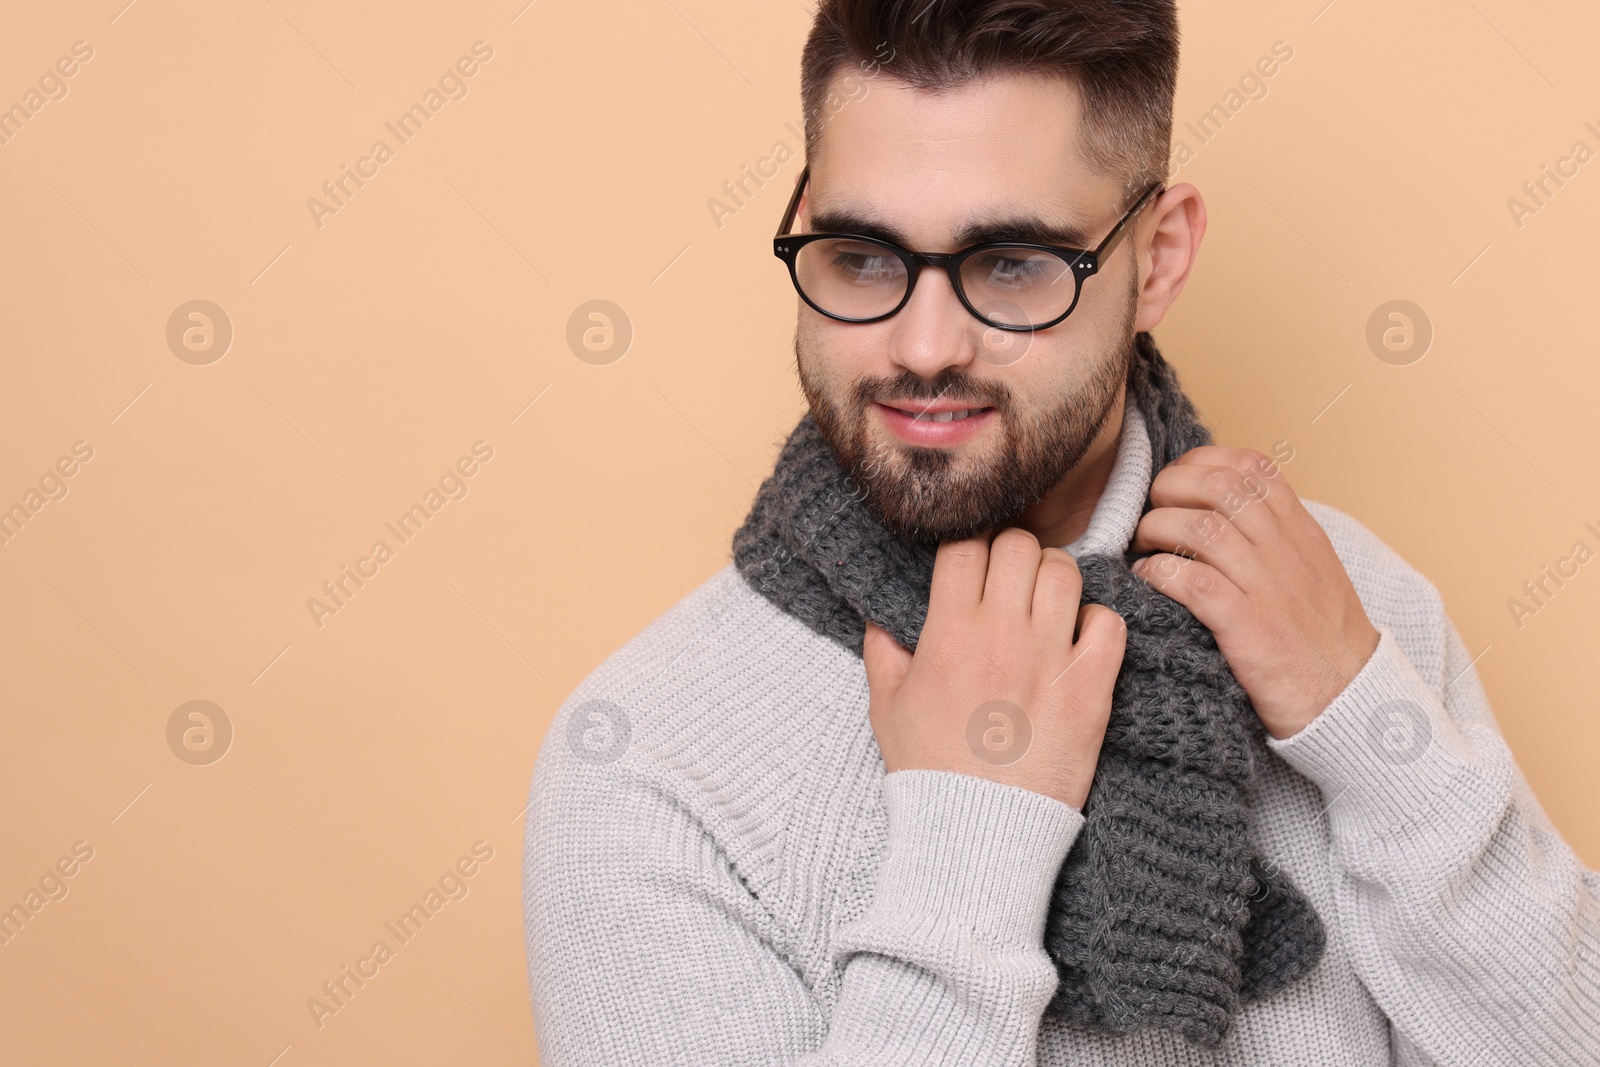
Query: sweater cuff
x=968, y=850
x=1385, y=750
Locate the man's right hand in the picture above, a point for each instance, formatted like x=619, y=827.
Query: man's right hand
x=1011, y=680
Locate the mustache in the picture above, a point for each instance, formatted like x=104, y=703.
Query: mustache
x=908, y=388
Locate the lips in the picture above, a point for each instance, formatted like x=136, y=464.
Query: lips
x=935, y=425
x=941, y=416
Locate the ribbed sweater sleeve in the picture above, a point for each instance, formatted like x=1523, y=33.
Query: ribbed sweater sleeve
x=1471, y=922
x=646, y=946
x=948, y=964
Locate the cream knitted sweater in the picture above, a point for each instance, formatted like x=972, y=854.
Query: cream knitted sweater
x=717, y=870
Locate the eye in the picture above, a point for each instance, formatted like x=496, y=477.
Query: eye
x=1015, y=268
x=865, y=266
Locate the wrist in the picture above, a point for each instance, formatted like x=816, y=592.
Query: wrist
x=979, y=854
x=1358, y=652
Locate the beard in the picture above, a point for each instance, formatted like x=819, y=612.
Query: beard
x=931, y=495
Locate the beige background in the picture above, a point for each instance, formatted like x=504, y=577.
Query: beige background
x=431, y=310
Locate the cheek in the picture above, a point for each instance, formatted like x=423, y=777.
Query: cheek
x=1101, y=339
x=1106, y=305
x=812, y=357
x=1051, y=367
x=1062, y=371
x=834, y=357
x=1004, y=350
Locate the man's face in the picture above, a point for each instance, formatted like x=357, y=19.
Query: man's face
x=927, y=166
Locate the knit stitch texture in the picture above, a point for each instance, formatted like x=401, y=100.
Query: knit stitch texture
x=718, y=870
x=1164, y=914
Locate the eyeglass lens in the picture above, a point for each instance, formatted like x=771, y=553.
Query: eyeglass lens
x=856, y=279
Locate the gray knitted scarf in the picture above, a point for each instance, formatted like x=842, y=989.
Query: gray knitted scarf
x=1163, y=914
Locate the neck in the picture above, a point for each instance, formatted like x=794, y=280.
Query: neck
x=1064, y=513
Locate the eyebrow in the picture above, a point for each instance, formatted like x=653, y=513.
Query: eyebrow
x=984, y=229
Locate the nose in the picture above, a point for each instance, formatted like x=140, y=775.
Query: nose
x=933, y=331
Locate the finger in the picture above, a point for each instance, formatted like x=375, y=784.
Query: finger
x=958, y=573
x=1013, y=570
x=1101, y=632
x=1247, y=461
x=1197, y=534
x=1056, y=592
x=886, y=662
x=1249, y=501
x=1208, y=594
x=1098, y=647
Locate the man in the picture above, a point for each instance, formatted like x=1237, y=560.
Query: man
x=908, y=783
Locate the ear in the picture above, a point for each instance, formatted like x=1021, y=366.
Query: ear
x=1167, y=240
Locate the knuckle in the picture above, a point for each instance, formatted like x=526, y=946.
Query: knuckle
x=1262, y=467
x=1111, y=620
x=1167, y=566
x=1251, y=461
x=1224, y=482
x=1200, y=530
x=1057, y=565
x=961, y=552
x=1016, y=542
x=1094, y=667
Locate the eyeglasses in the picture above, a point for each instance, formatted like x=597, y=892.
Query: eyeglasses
x=1009, y=285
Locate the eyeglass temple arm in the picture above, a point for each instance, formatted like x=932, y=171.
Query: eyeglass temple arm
x=1109, y=245
x=794, y=202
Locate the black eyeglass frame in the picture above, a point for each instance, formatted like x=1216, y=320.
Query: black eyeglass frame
x=1085, y=262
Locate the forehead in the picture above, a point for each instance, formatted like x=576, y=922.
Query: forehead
x=928, y=162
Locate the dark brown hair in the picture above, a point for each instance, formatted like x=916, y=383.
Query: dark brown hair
x=1121, y=54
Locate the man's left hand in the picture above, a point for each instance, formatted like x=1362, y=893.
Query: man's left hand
x=1235, y=546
